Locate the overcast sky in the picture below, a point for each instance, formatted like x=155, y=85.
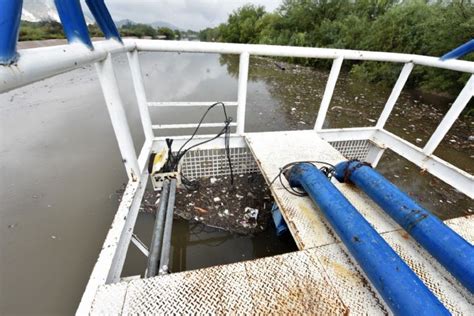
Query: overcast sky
x=186, y=14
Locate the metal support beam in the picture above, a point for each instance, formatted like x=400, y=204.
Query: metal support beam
x=450, y=117
x=192, y=125
x=106, y=73
x=328, y=92
x=455, y=177
x=242, y=91
x=140, y=93
x=10, y=16
x=166, y=247
x=397, y=89
x=375, y=154
x=157, y=238
x=180, y=104
x=104, y=20
x=140, y=245
x=124, y=241
x=344, y=134
x=74, y=24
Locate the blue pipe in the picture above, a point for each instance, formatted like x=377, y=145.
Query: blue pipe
x=74, y=24
x=104, y=19
x=10, y=15
x=399, y=286
x=460, y=51
x=280, y=225
x=450, y=249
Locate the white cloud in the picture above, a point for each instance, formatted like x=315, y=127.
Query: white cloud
x=186, y=14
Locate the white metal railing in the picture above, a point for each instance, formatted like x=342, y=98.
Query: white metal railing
x=40, y=63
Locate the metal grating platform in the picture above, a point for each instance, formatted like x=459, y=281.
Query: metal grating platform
x=353, y=149
x=321, y=278
x=274, y=150
x=213, y=162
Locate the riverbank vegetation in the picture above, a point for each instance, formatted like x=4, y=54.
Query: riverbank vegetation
x=416, y=27
x=34, y=31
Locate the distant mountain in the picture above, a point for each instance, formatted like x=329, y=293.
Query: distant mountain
x=165, y=24
x=44, y=10
x=41, y=10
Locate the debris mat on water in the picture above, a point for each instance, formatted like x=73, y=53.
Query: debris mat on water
x=244, y=208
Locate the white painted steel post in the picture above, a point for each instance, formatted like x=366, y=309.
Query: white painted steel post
x=397, y=89
x=118, y=261
x=106, y=73
x=140, y=93
x=375, y=154
x=330, y=86
x=242, y=91
x=450, y=117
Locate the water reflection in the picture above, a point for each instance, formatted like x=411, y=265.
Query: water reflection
x=196, y=246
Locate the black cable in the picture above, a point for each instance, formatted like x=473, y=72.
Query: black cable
x=175, y=159
x=328, y=170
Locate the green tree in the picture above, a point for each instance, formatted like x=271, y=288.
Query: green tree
x=167, y=32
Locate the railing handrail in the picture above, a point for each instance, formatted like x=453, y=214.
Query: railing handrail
x=298, y=51
x=36, y=64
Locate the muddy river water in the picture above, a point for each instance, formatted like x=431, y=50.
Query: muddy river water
x=60, y=166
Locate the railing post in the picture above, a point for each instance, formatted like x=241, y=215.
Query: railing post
x=9, y=30
x=330, y=85
x=106, y=73
x=140, y=93
x=448, y=120
x=242, y=91
x=104, y=20
x=374, y=155
x=72, y=19
x=397, y=89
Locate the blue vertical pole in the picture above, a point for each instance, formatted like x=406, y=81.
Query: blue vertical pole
x=104, y=19
x=460, y=51
x=10, y=16
x=450, y=249
x=399, y=286
x=74, y=24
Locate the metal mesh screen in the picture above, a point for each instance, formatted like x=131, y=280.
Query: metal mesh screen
x=353, y=149
x=213, y=162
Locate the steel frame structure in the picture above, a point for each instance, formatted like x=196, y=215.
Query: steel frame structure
x=41, y=63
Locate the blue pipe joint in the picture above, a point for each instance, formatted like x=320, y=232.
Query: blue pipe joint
x=74, y=24
x=398, y=285
x=280, y=225
x=104, y=19
x=444, y=244
x=10, y=16
x=460, y=51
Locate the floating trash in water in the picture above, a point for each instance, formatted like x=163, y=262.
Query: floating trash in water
x=250, y=218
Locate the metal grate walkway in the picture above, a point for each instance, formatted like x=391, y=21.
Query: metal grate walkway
x=321, y=278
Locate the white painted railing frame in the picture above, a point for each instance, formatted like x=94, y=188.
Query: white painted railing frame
x=41, y=63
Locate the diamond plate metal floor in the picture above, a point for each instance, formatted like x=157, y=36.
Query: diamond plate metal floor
x=308, y=226
x=321, y=278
